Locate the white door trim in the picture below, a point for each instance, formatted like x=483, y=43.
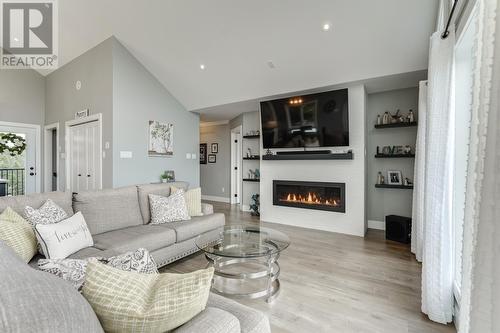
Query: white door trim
x=70, y=123
x=236, y=133
x=38, y=146
x=47, y=179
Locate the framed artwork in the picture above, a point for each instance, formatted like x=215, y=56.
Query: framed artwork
x=394, y=178
x=161, y=139
x=203, y=153
x=212, y=158
x=214, y=148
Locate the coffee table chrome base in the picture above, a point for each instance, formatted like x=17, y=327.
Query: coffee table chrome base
x=266, y=271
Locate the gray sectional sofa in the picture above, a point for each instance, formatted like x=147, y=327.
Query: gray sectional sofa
x=119, y=221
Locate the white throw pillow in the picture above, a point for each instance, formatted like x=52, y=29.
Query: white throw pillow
x=168, y=209
x=193, y=200
x=59, y=240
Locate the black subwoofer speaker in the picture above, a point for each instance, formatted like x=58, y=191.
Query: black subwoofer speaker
x=398, y=228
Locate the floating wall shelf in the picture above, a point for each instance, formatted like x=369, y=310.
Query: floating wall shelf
x=405, y=187
x=413, y=124
x=252, y=158
x=394, y=155
x=299, y=156
x=251, y=136
x=251, y=180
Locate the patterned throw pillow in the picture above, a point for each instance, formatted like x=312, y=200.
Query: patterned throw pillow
x=193, y=200
x=168, y=209
x=17, y=233
x=48, y=213
x=132, y=302
x=73, y=270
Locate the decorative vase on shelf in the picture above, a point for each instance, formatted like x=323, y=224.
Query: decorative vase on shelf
x=411, y=116
x=385, y=118
x=380, y=178
x=379, y=120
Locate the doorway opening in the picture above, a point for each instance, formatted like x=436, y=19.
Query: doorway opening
x=236, y=147
x=19, y=162
x=51, y=165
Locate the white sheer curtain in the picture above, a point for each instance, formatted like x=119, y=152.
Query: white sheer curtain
x=417, y=226
x=480, y=302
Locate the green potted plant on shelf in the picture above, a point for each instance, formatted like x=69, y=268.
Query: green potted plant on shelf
x=166, y=177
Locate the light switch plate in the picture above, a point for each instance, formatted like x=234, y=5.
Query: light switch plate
x=125, y=154
x=188, y=156
x=193, y=156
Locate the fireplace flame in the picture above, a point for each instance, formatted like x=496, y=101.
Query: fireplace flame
x=310, y=198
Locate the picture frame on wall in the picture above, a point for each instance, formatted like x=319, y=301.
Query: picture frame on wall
x=212, y=158
x=394, y=177
x=161, y=139
x=214, y=148
x=203, y=153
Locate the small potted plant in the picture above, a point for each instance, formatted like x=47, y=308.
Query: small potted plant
x=165, y=177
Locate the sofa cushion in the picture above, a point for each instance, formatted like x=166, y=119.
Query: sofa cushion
x=34, y=301
x=251, y=320
x=18, y=234
x=19, y=202
x=197, y=225
x=162, y=189
x=107, y=210
x=211, y=320
x=151, y=237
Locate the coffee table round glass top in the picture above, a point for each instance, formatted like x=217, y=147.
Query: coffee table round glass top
x=245, y=260
x=245, y=242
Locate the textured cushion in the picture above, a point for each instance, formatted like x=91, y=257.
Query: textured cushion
x=73, y=270
x=59, y=240
x=196, y=226
x=193, y=200
x=48, y=213
x=151, y=237
x=34, y=301
x=207, y=209
x=87, y=252
x=133, y=302
x=251, y=320
x=19, y=202
x=107, y=210
x=159, y=189
x=211, y=320
x=18, y=234
x=168, y=209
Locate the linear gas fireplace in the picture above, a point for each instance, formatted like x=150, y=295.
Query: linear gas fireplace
x=311, y=195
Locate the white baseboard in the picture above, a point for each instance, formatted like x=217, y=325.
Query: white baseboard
x=372, y=224
x=215, y=198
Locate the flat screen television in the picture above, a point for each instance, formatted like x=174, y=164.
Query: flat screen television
x=315, y=120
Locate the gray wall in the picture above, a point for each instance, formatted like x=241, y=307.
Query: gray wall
x=22, y=96
x=382, y=202
x=139, y=97
x=94, y=69
x=214, y=177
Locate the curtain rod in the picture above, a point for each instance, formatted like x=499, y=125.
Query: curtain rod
x=447, y=29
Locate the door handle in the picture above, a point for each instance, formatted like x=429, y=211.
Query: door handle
x=88, y=175
x=32, y=173
x=79, y=175
x=32, y=168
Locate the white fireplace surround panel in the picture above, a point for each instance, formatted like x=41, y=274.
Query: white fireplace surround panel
x=351, y=172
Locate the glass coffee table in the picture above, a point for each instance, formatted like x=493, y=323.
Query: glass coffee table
x=245, y=259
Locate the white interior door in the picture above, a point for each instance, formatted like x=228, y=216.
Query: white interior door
x=85, y=159
x=21, y=172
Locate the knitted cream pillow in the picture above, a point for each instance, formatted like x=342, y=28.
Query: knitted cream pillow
x=135, y=302
x=17, y=233
x=193, y=200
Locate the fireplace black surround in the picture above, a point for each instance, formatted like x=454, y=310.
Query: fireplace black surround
x=310, y=195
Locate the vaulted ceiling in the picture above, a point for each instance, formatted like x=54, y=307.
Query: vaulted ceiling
x=235, y=40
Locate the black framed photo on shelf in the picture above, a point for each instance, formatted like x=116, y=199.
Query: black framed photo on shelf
x=394, y=177
x=203, y=153
x=214, y=148
x=212, y=158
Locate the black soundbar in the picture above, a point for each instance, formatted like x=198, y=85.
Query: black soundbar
x=303, y=152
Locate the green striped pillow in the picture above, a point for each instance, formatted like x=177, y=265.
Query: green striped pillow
x=135, y=302
x=17, y=233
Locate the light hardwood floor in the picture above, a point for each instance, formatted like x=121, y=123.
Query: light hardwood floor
x=337, y=283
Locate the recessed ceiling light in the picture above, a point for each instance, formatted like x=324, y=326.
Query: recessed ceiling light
x=326, y=26
x=202, y=66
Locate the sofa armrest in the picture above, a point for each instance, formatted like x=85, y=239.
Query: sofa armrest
x=207, y=209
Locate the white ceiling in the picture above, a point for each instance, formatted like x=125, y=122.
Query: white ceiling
x=236, y=38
